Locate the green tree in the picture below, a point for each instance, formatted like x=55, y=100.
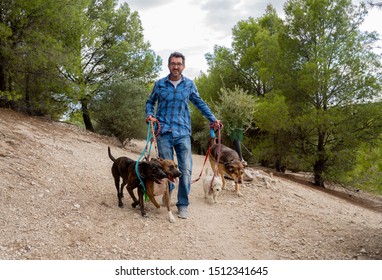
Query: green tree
x=118, y=109
x=235, y=109
x=328, y=70
x=248, y=64
x=255, y=46
x=367, y=171
x=274, y=146
x=111, y=49
x=35, y=37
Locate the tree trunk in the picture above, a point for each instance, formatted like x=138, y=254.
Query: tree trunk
x=86, y=115
x=318, y=178
x=28, y=106
x=2, y=76
x=3, y=84
x=319, y=165
x=238, y=148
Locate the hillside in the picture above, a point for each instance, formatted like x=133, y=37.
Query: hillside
x=58, y=201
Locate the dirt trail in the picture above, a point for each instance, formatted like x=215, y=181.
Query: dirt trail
x=58, y=201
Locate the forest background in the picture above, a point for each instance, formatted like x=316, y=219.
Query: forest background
x=301, y=93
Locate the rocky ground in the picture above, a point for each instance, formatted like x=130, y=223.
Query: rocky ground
x=58, y=201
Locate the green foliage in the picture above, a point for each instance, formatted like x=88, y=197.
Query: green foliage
x=256, y=50
x=200, y=128
x=223, y=72
x=274, y=146
x=34, y=40
x=254, y=54
x=119, y=110
x=272, y=113
x=319, y=79
x=367, y=173
x=111, y=49
x=331, y=71
x=235, y=109
x=53, y=54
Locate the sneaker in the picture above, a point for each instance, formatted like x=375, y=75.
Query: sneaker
x=182, y=212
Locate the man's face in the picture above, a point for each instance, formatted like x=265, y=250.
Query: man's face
x=176, y=68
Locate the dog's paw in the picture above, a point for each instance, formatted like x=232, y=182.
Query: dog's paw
x=171, y=217
x=120, y=205
x=134, y=204
x=239, y=194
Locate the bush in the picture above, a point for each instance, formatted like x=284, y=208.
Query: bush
x=367, y=172
x=120, y=110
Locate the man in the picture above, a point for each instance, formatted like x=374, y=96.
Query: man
x=172, y=95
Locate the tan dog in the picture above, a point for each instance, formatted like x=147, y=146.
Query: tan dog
x=229, y=164
x=213, y=190
x=170, y=168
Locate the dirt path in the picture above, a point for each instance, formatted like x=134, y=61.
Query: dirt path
x=58, y=201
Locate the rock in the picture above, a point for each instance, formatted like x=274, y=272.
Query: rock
x=247, y=175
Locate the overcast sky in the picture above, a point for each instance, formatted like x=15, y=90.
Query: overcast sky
x=193, y=27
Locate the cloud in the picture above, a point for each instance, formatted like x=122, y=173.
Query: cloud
x=222, y=15
x=138, y=5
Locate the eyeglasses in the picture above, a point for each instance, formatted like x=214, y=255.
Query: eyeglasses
x=173, y=64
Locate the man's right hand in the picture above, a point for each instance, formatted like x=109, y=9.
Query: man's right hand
x=151, y=118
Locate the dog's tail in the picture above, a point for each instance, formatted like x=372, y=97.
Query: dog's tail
x=110, y=156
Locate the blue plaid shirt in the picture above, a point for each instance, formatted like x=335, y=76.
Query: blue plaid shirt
x=173, y=112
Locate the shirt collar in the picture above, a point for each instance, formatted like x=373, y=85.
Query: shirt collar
x=168, y=78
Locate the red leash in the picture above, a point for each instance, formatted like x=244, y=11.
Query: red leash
x=213, y=126
x=218, y=127
x=204, y=163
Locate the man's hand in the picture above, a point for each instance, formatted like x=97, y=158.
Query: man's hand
x=151, y=118
x=217, y=125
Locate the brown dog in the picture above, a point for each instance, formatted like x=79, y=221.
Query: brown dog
x=149, y=172
x=154, y=189
x=229, y=164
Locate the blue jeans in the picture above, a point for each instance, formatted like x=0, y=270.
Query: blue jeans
x=182, y=146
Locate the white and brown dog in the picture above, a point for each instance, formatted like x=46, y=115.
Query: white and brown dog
x=170, y=168
x=211, y=189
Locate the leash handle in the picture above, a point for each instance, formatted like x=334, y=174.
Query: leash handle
x=154, y=135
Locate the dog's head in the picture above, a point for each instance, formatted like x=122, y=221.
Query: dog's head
x=216, y=185
x=217, y=182
x=152, y=170
x=170, y=168
x=235, y=169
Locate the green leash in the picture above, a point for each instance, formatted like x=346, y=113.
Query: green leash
x=149, y=136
